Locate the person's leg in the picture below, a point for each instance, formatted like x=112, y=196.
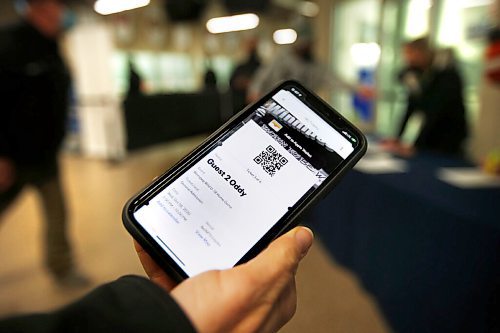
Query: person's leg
x=58, y=253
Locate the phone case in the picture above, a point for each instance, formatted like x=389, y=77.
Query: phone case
x=164, y=261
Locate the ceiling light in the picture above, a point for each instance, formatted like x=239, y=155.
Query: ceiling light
x=285, y=36
x=365, y=54
x=240, y=22
x=106, y=7
x=308, y=8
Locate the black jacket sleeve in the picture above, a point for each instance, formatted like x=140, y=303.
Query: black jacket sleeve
x=129, y=304
x=412, y=96
x=6, y=93
x=409, y=111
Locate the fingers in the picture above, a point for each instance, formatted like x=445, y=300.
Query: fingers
x=258, y=296
x=282, y=256
x=149, y=265
x=287, y=251
x=154, y=272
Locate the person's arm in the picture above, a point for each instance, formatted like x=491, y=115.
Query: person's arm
x=408, y=113
x=258, y=296
x=129, y=304
x=9, y=93
x=270, y=74
x=5, y=92
x=409, y=78
x=7, y=173
x=261, y=79
x=333, y=81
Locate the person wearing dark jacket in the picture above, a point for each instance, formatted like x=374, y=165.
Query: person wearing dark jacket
x=258, y=296
x=242, y=76
x=34, y=90
x=435, y=89
x=134, y=81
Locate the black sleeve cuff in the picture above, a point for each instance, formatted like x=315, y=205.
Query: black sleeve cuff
x=129, y=304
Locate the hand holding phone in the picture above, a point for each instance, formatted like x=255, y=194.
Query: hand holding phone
x=245, y=185
x=258, y=296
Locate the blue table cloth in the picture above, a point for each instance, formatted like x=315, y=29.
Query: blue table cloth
x=428, y=251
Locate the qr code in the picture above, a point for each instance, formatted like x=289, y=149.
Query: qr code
x=270, y=160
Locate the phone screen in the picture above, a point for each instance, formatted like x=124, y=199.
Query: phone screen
x=213, y=213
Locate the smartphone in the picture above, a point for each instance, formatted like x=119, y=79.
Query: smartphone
x=246, y=184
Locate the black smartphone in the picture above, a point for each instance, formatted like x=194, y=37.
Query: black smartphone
x=246, y=184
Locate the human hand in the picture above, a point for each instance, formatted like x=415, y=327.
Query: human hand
x=395, y=147
x=7, y=174
x=258, y=296
x=405, y=151
x=389, y=144
x=154, y=272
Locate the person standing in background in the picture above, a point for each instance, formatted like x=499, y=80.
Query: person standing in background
x=134, y=81
x=243, y=74
x=435, y=89
x=34, y=89
x=210, y=81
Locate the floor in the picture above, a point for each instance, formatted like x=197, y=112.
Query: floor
x=330, y=298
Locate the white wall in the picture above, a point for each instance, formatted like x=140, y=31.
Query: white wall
x=90, y=48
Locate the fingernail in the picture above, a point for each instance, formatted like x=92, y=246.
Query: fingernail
x=304, y=237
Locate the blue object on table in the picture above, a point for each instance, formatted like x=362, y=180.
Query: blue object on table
x=429, y=252
x=364, y=107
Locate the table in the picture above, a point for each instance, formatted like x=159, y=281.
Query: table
x=155, y=119
x=429, y=252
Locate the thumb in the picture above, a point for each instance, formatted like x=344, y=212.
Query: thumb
x=283, y=254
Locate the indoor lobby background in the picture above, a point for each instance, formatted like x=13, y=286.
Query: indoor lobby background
x=399, y=246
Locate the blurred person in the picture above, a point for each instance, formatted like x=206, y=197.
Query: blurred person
x=34, y=86
x=297, y=62
x=243, y=74
x=209, y=81
x=258, y=296
x=435, y=89
x=134, y=81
